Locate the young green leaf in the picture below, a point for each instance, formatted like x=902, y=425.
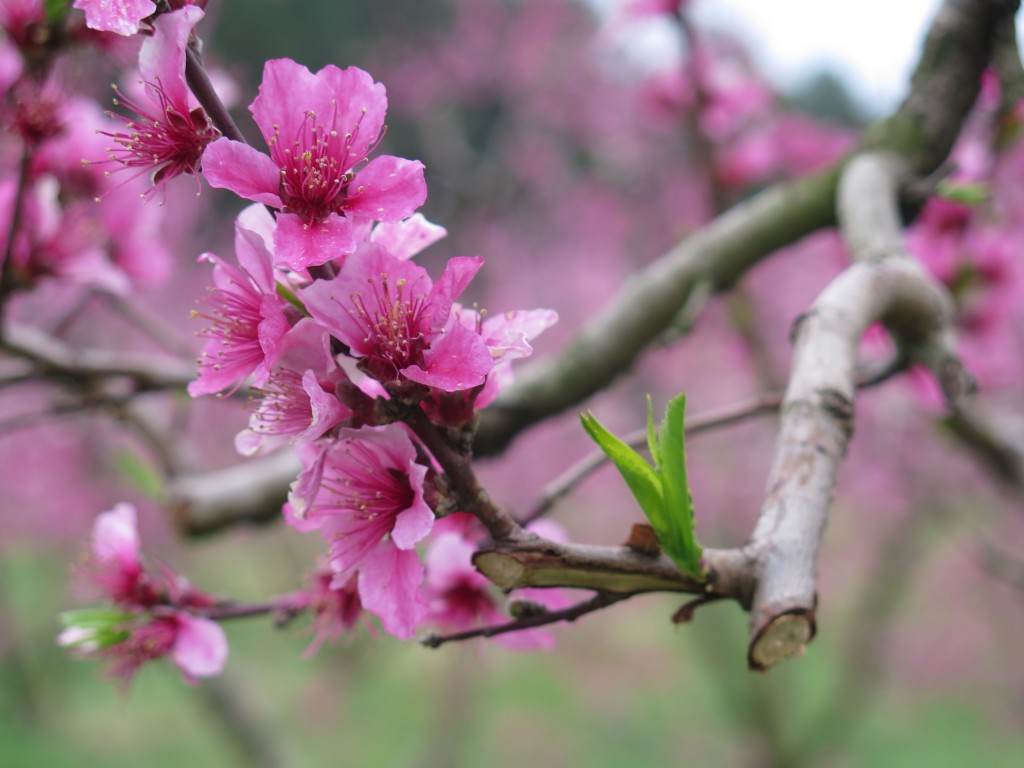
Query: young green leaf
x=640, y=477
x=680, y=540
x=662, y=491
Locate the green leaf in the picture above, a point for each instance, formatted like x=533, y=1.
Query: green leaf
x=652, y=439
x=640, y=477
x=679, y=538
x=94, y=618
x=960, y=192
x=663, y=491
x=141, y=474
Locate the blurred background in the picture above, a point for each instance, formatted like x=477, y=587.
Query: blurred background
x=570, y=144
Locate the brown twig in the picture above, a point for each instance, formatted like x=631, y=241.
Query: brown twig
x=471, y=495
x=532, y=621
x=202, y=88
x=8, y=283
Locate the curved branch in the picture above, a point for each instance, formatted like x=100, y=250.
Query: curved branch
x=817, y=413
x=944, y=87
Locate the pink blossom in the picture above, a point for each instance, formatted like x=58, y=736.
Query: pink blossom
x=319, y=128
x=19, y=17
x=404, y=239
x=170, y=134
x=460, y=597
x=392, y=316
x=196, y=645
x=365, y=492
x=200, y=647
x=299, y=400
x=118, y=568
x=120, y=16
x=336, y=608
x=248, y=316
x=54, y=242
x=507, y=336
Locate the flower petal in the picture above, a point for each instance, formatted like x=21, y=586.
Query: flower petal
x=405, y=239
x=389, y=586
x=387, y=189
x=299, y=245
x=200, y=648
x=456, y=361
x=245, y=171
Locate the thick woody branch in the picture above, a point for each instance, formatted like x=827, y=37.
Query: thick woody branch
x=252, y=492
x=817, y=412
x=715, y=256
x=54, y=359
x=537, y=562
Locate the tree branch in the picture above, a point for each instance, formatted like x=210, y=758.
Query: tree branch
x=817, y=422
x=542, y=619
x=945, y=84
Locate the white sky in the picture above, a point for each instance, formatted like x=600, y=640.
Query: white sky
x=872, y=44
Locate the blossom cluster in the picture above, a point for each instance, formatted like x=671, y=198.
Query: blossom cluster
x=154, y=613
x=340, y=333
x=322, y=316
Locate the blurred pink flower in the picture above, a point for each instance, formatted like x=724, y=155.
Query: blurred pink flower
x=170, y=134
x=319, y=128
x=197, y=646
x=336, y=608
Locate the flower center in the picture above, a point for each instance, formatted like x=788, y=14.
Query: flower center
x=316, y=167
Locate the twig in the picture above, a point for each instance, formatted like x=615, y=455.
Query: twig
x=55, y=359
x=700, y=424
x=1001, y=456
x=201, y=87
x=570, y=614
x=7, y=274
x=471, y=494
x=252, y=492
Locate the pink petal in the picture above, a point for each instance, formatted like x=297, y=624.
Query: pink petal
x=450, y=561
x=288, y=91
x=300, y=245
x=389, y=586
x=388, y=189
x=507, y=335
x=254, y=239
x=457, y=360
x=453, y=281
x=304, y=489
x=119, y=16
x=327, y=409
x=413, y=524
x=201, y=648
x=404, y=239
x=271, y=330
x=245, y=171
x=162, y=57
x=356, y=101
x=115, y=536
